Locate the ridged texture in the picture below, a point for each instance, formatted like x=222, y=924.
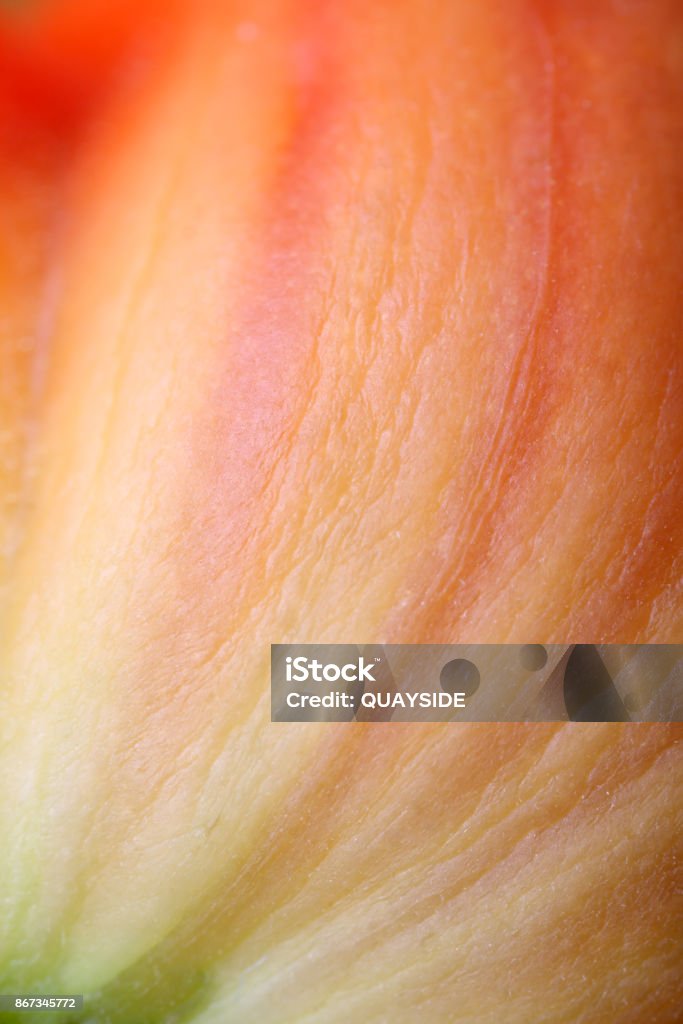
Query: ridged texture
x=335, y=322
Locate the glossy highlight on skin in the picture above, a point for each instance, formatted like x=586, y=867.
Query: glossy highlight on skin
x=335, y=322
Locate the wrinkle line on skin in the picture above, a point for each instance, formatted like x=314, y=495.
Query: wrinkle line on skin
x=185, y=149
x=491, y=471
x=336, y=906
x=611, y=853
